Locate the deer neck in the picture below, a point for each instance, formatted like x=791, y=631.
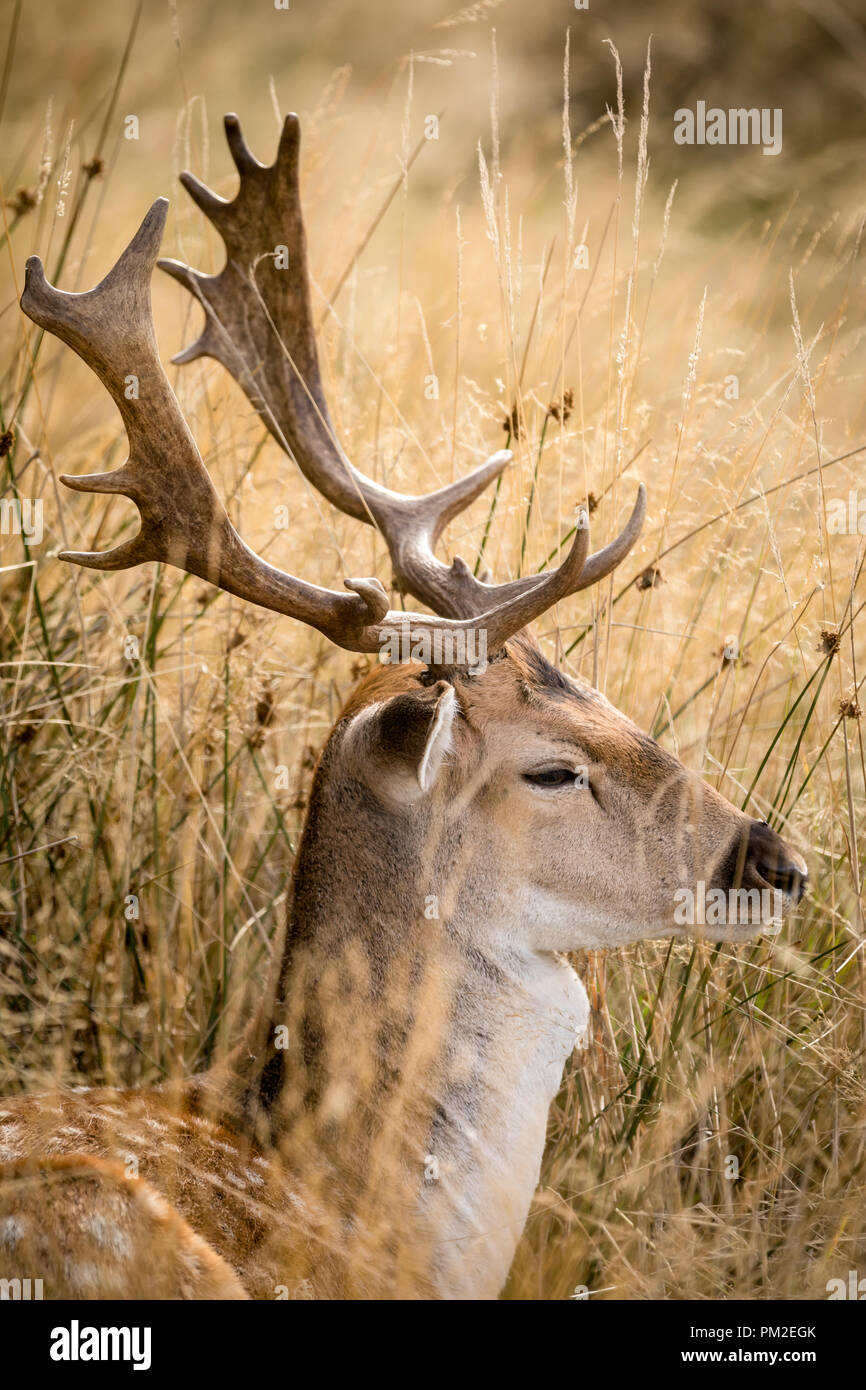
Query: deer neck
x=421, y=1047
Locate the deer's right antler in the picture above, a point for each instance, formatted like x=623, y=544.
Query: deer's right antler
x=183, y=521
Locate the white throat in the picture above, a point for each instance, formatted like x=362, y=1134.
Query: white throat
x=478, y=1190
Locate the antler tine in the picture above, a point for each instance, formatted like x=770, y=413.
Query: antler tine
x=259, y=325
x=596, y=568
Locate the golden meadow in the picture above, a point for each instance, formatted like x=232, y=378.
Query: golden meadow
x=558, y=277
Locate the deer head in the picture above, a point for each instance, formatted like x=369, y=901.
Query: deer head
x=581, y=827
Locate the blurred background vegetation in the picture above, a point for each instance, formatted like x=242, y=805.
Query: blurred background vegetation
x=179, y=778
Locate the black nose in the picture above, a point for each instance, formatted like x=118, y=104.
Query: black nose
x=768, y=856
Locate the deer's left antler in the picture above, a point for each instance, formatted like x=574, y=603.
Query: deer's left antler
x=259, y=325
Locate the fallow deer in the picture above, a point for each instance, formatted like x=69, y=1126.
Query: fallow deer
x=379, y=1130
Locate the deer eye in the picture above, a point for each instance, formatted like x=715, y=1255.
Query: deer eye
x=550, y=777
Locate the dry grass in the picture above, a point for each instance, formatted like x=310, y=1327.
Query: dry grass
x=160, y=777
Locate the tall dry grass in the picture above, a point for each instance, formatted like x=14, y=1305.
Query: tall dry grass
x=157, y=738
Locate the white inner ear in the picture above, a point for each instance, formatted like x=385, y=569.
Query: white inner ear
x=439, y=740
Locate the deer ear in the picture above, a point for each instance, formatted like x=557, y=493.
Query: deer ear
x=398, y=747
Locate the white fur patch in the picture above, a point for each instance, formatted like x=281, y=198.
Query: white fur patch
x=11, y=1146
x=11, y=1231
x=440, y=740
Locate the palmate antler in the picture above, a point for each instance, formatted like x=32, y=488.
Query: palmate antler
x=259, y=325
